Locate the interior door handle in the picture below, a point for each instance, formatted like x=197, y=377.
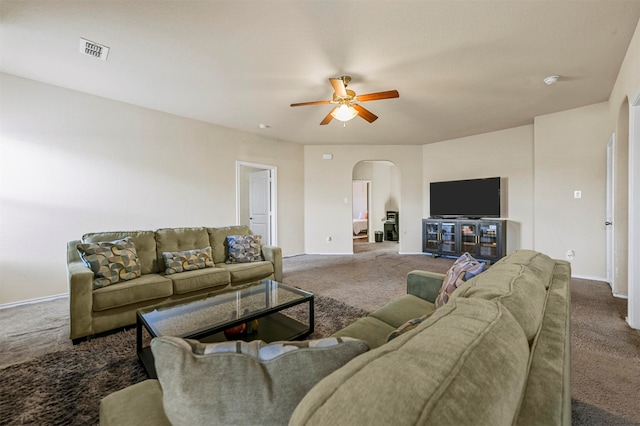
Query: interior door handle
x=608, y=223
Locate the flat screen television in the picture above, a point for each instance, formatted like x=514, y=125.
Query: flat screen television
x=472, y=198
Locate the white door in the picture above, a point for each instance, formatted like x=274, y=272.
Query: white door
x=609, y=211
x=260, y=204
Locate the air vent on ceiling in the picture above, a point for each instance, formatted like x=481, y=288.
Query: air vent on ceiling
x=91, y=48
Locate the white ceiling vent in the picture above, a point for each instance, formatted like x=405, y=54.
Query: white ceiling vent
x=91, y=48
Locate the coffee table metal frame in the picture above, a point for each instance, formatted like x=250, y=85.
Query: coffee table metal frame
x=273, y=325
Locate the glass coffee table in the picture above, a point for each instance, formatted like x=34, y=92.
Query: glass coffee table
x=207, y=318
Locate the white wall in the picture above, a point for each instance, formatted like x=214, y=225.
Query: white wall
x=328, y=185
x=570, y=155
x=72, y=163
x=507, y=154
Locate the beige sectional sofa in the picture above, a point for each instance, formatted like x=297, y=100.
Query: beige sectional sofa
x=95, y=310
x=497, y=353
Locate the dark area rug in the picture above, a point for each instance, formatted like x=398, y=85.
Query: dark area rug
x=65, y=387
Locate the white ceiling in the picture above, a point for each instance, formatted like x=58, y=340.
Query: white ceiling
x=461, y=67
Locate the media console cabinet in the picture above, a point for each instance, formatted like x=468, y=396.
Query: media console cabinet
x=484, y=239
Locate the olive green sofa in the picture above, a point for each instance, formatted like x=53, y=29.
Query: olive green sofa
x=93, y=311
x=497, y=353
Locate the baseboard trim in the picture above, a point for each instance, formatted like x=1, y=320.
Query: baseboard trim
x=333, y=254
x=601, y=279
x=589, y=277
x=32, y=301
x=293, y=255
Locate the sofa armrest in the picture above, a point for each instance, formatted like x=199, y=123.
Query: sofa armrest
x=424, y=284
x=80, y=280
x=274, y=255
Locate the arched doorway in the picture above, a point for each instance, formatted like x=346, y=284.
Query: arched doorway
x=379, y=182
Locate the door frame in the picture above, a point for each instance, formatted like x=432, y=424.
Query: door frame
x=273, y=195
x=610, y=260
x=633, y=307
x=260, y=180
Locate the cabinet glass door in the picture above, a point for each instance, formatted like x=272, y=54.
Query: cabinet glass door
x=489, y=240
x=448, y=237
x=469, y=233
x=432, y=240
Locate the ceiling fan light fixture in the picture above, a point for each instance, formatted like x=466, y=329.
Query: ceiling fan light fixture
x=344, y=113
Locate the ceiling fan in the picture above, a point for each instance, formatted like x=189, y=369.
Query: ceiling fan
x=346, y=102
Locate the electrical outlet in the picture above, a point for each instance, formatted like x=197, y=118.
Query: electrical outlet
x=329, y=239
x=570, y=255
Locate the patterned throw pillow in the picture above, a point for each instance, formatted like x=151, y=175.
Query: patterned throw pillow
x=408, y=326
x=464, y=268
x=188, y=260
x=111, y=261
x=244, y=248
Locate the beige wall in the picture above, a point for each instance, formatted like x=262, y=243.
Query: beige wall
x=570, y=155
x=328, y=195
x=72, y=163
x=508, y=154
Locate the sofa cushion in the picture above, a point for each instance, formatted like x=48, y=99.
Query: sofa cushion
x=402, y=309
x=111, y=261
x=188, y=260
x=235, y=385
x=547, y=396
x=218, y=240
x=139, y=404
x=516, y=287
x=179, y=239
x=541, y=264
x=147, y=287
x=188, y=281
x=464, y=268
x=370, y=329
x=145, y=242
x=246, y=272
x=244, y=249
x=466, y=365
x=412, y=324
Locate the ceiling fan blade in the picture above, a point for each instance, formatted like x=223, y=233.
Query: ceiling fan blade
x=379, y=95
x=310, y=103
x=328, y=118
x=339, y=87
x=365, y=113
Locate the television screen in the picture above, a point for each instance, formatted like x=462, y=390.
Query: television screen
x=473, y=198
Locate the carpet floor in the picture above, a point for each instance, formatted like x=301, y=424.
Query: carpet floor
x=65, y=387
x=605, y=358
